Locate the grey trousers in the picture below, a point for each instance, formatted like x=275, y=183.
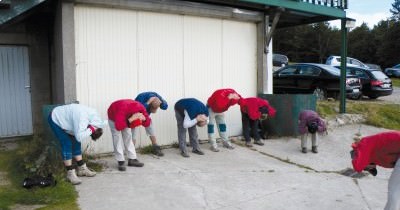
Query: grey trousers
x=393, y=202
x=120, y=145
x=193, y=136
x=314, y=139
x=219, y=119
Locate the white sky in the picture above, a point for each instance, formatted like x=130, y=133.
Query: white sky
x=368, y=11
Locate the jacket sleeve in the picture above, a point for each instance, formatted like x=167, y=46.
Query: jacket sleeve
x=164, y=104
x=302, y=124
x=147, y=122
x=120, y=121
x=81, y=122
x=361, y=156
x=252, y=111
x=321, y=125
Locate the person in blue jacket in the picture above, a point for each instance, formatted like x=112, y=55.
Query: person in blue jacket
x=151, y=101
x=190, y=112
x=72, y=124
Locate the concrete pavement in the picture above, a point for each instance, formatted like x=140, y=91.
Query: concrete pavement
x=274, y=176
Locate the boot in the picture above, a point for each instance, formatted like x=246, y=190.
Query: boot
x=198, y=151
x=314, y=149
x=157, y=150
x=304, y=150
x=258, y=142
x=135, y=163
x=214, y=148
x=185, y=154
x=71, y=177
x=248, y=144
x=121, y=166
x=83, y=170
x=228, y=144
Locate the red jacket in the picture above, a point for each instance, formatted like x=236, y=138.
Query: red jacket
x=251, y=107
x=219, y=102
x=382, y=149
x=119, y=112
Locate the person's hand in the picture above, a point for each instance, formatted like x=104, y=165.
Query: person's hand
x=137, y=116
x=201, y=118
x=233, y=96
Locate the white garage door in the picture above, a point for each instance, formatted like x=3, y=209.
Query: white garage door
x=120, y=53
x=15, y=96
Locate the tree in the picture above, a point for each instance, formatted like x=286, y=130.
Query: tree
x=361, y=44
x=395, y=10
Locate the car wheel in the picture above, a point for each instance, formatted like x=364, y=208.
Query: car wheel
x=373, y=97
x=320, y=93
x=356, y=97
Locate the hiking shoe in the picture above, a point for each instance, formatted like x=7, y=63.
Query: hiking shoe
x=135, y=163
x=71, y=177
x=304, y=150
x=157, y=150
x=121, y=166
x=249, y=144
x=83, y=170
x=228, y=145
x=214, y=149
x=258, y=142
x=185, y=154
x=314, y=149
x=198, y=151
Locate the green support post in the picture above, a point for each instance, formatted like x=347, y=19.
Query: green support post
x=343, y=68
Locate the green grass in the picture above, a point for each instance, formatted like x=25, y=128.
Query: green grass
x=376, y=114
x=61, y=196
x=396, y=82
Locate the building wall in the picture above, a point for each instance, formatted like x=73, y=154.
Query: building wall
x=33, y=33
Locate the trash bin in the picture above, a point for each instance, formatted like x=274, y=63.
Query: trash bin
x=288, y=107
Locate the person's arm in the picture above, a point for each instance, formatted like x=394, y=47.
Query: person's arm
x=187, y=122
x=80, y=126
x=164, y=104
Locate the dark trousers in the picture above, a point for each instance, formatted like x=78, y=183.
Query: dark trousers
x=248, y=126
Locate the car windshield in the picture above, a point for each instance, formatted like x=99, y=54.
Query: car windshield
x=379, y=75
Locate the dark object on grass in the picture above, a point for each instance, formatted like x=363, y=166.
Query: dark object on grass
x=40, y=181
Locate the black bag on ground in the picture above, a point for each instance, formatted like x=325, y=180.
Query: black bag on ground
x=40, y=181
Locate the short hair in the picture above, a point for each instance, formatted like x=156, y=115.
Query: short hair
x=97, y=133
x=312, y=127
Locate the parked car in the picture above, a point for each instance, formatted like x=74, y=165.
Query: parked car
x=393, y=72
x=374, y=82
x=280, y=60
x=311, y=78
x=335, y=61
x=374, y=66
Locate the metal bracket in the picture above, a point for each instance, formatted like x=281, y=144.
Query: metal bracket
x=270, y=33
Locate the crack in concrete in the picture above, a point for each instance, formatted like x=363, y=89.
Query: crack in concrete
x=362, y=194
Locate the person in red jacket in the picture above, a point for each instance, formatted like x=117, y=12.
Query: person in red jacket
x=310, y=123
x=217, y=104
x=382, y=149
x=253, y=109
x=123, y=115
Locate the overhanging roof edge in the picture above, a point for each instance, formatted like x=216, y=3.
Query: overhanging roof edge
x=17, y=9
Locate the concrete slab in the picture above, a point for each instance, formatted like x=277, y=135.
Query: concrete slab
x=242, y=178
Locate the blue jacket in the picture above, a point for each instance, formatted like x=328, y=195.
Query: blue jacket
x=193, y=107
x=145, y=96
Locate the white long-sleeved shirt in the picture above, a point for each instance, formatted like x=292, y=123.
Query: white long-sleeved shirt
x=75, y=118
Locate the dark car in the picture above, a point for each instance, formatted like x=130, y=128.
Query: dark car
x=280, y=60
x=311, y=78
x=374, y=66
x=393, y=72
x=374, y=82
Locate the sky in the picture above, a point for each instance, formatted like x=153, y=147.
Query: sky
x=368, y=11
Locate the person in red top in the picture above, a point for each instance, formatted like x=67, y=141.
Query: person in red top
x=123, y=115
x=254, y=109
x=217, y=104
x=382, y=149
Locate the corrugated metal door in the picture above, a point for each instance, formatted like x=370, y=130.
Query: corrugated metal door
x=15, y=96
x=121, y=53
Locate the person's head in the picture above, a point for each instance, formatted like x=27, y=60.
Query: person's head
x=264, y=112
x=202, y=123
x=154, y=105
x=312, y=127
x=96, y=134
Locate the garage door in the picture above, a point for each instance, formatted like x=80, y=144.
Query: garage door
x=15, y=96
x=120, y=53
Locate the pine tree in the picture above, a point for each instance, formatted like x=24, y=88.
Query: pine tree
x=395, y=10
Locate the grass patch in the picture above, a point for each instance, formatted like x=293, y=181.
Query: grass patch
x=21, y=163
x=396, y=82
x=376, y=114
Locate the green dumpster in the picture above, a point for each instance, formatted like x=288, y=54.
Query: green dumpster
x=288, y=107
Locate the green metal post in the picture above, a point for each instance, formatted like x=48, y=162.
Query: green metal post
x=343, y=68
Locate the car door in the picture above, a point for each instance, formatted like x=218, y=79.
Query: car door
x=284, y=80
x=307, y=78
x=364, y=78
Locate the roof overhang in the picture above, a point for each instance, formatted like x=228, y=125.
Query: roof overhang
x=11, y=10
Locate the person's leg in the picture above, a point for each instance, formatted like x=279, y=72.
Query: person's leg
x=66, y=150
x=130, y=148
x=82, y=169
x=211, y=131
x=393, y=202
x=314, y=142
x=246, y=128
x=194, y=140
x=181, y=134
x=134, y=131
x=304, y=143
x=118, y=146
x=220, y=119
x=254, y=130
x=156, y=148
